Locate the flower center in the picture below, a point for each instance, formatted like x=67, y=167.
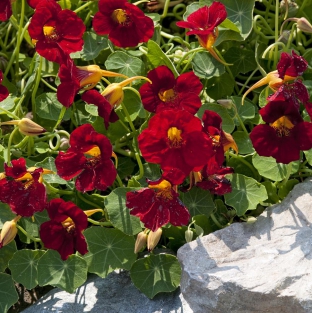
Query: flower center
x=167, y=95
x=50, y=33
x=207, y=41
x=174, y=137
x=120, y=16
x=69, y=225
x=94, y=157
x=282, y=126
x=163, y=190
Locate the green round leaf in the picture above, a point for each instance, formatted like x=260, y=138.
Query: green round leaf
x=119, y=214
x=268, y=167
x=206, y=66
x=157, y=57
x=68, y=275
x=243, y=142
x=246, y=193
x=156, y=273
x=49, y=108
x=109, y=249
x=6, y=254
x=125, y=64
x=134, y=107
x=8, y=294
x=219, y=87
x=23, y=267
x=93, y=45
x=245, y=111
x=198, y=201
x=243, y=165
x=151, y=171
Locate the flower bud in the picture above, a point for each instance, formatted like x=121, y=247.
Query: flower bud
x=251, y=220
x=226, y=103
x=188, y=235
x=26, y=126
x=304, y=25
x=153, y=239
x=140, y=241
x=8, y=232
x=64, y=143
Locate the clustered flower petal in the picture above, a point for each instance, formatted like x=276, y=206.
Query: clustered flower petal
x=63, y=232
x=157, y=205
x=22, y=189
x=124, y=23
x=56, y=32
x=88, y=158
x=166, y=92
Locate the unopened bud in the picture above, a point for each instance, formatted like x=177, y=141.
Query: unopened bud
x=26, y=126
x=8, y=232
x=251, y=219
x=304, y=25
x=188, y=235
x=140, y=242
x=226, y=103
x=64, y=143
x=153, y=239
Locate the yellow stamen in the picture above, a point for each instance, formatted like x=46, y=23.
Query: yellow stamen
x=167, y=95
x=95, y=151
x=174, y=136
x=282, y=126
x=163, y=190
x=120, y=16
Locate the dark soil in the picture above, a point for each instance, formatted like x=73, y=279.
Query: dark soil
x=28, y=297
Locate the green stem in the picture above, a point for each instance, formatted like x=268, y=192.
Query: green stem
x=62, y=113
x=216, y=221
x=48, y=85
x=119, y=181
x=165, y=11
x=188, y=53
x=27, y=234
x=99, y=223
x=10, y=113
x=9, y=145
x=34, y=92
x=81, y=197
x=141, y=168
x=59, y=191
x=83, y=7
x=288, y=173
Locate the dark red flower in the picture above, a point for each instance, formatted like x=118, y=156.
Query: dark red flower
x=166, y=92
x=212, y=178
x=105, y=110
x=157, y=205
x=63, y=232
x=22, y=189
x=284, y=135
x=203, y=23
x=4, y=93
x=175, y=139
x=33, y=3
x=221, y=141
x=56, y=32
x=123, y=22
x=88, y=158
x=5, y=10
x=291, y=65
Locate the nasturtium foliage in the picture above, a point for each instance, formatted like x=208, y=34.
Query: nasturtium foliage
x=8, y=294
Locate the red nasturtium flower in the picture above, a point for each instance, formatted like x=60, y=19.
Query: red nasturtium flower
x=284, y=135
x=175, y=139
x=5, y=10
x=63, y=232
x=167, y=92
x=157, y=205
x=22, y=188
x=33, y=3
x=203, y=23
x=56, y=32
x=221, y=141
x=289, y=68
x=212, y=178
x=124, y=23
x=4, y=93
x=73, y=78
x=89, y=158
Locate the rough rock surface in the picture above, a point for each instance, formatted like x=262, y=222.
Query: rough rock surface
x=113, y=294
x=262, y=267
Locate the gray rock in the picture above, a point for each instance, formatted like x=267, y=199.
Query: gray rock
x=262, y=267
x=113, y=294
